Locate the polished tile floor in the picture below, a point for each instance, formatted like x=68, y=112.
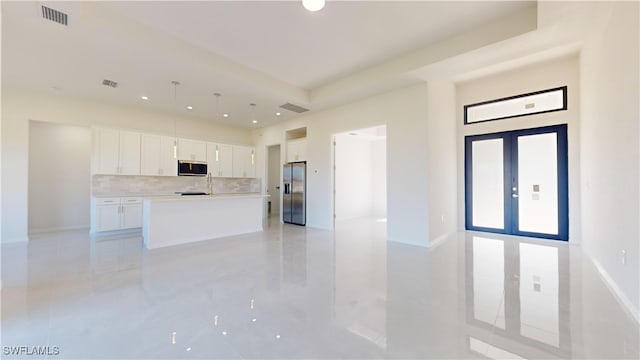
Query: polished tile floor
x=295, y=292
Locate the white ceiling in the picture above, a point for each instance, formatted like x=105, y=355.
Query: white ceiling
x=263, y=52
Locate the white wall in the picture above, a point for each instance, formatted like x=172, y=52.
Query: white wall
x=440, y=147
x=405, y=113
x=555, y=73
x=609, y=149
x=353, y=174
x=275, y=172
x=59, y=176
x=20, y=106
x=361, y=174
x=379, y=177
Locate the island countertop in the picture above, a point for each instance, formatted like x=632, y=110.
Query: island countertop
x=203, y=197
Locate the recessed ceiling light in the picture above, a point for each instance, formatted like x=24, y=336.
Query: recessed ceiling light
x=225, y=115
x=255, y=121
x=278, y=114
x=313, y=5
x=189, y=107
x=144, y=97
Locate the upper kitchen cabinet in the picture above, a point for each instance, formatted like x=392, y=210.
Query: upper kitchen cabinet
x=296, y=144
x=220, y=159
x=157, y=156
x=116, y=152
x=297, y=150
x=192, y=150
x=244, y=161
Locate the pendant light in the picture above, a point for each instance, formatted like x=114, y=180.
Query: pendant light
x=313, y=5
x=175, y=132
x=253, y=115
x=217, y=95
x=253, y=120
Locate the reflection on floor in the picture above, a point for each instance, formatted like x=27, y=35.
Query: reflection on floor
x=298, y=292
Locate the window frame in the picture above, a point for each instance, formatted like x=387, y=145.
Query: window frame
x=563, y=108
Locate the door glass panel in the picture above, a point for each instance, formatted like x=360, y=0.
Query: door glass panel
x=539, y=293
x=488, y=183
x=538, y=183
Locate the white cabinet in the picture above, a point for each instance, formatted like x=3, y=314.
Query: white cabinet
x=107, y=214
x=192, y=150
x=131, y=213
x=220, y=159
x=106, y=151
x=116, y=213
x=116, y=152
x=297, y=150
x=157, y=156
x=244, y=161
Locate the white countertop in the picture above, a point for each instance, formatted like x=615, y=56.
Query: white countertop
x=203, y=197
x=174, y=196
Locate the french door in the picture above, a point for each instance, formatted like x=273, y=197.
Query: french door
x=516, y=182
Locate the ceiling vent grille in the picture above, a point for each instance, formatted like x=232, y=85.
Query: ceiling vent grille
x=54, y=15
x=110, y=83
x=294, y=108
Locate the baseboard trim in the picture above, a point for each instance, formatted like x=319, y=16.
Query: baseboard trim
x=58, y=229
x=407, y=243
x=439, y=240
x=15, y=240
x=115, y=234
x=617, y=292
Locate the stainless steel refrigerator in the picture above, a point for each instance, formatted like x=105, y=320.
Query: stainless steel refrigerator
x=294, y=195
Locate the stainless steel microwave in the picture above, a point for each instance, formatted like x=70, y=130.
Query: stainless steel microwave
x=192, y=168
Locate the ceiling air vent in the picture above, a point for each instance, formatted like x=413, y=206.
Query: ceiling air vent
x=111, y=83
x=54, y=15
x=294, y=108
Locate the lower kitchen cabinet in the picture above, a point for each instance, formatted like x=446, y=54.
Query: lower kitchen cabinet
x=116, y=213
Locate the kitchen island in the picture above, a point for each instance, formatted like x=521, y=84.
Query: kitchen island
x=173, y=220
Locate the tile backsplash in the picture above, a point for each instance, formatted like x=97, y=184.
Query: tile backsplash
x=168, y=185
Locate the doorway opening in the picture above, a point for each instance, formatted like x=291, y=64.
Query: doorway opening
x=59, y=177
x=516, y=182
x=360, y=175
x=273, y=181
